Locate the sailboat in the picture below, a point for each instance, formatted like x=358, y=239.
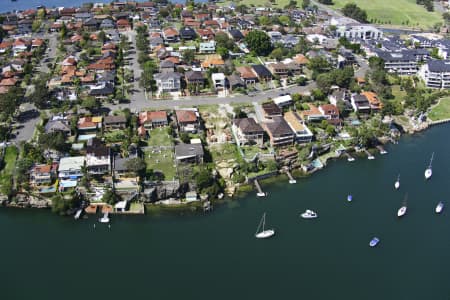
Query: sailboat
x=402, y=210
x=397, y=183
x=428, y=171
x=263, y=234
x=439, y=207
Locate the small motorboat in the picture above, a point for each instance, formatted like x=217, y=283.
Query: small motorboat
x=309, y=214
x=397, y=183
x=439, y=207
x=370, y=157
x=374, y=242
x=401, y=211
x=350, y=159
x=349, y=198
x=105, y=218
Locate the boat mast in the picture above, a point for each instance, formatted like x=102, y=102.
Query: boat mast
x=431, y=160
x=264, y=221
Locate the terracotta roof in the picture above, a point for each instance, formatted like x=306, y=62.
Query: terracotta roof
x=5, y=45
x=301, y=59
x=313, y=110
x=37, y=42
x=186, y=116
x=246, y=72
x=149, y=116
x=330, y=109
x=170, y=31
x=211, y=23
x=8, y=82
x=213, y=60
x=20, y=42
x=373, y=99
x=123, y=22
x=42, y=168
x=173, y=59
x=4, y=89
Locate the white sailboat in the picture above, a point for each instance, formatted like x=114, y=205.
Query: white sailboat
x=402, y=210
x=429, y=171
x=397, y=183
x=263, y=234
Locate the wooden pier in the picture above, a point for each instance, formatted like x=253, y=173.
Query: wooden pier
x=381, y=149
x=349, y=157
x=369, y=156
x=260, y=192
x=291, y=178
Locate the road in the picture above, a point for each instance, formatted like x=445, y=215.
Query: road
x=363, y=66
x=25, y=125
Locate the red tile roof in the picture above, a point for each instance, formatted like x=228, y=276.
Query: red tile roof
x=186, y=116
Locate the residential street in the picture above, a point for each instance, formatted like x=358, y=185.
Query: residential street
x=137, y=95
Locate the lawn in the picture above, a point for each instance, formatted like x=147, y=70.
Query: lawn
x=223, y=152
x=259, y=3
x=398, y=12
x=161, y=161
x=9, y=160
x=159, y=137
x=441, y=111
x=398, y=94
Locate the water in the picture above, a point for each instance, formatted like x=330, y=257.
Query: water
x=8, y=5
x=217, y=257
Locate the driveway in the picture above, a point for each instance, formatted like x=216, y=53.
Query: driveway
x=25, y=126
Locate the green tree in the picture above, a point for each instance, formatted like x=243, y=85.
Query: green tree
x=259, y=42
x=8, y=103
x=90, y=103
x=277, y=53
x=136, y=165
x=53, y=140
x=184, y=137
x=353, y=11
x=41, y=96
x=306, y=3
x=110, y=197
x=189, y=56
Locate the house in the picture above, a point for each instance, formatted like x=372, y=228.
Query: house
x=247, y=131
x=271, y=110
x=283, y=100
x=189, y=153
x=153, y=119
x=235, y=34
x=57, y=126
x=194, y=78
x=218, y=80
x=400, y=62
x=360, y=103
x=213, y=61
x=71, y=167
x=279, y=131
x=262, y=72
x=374, y=101
x=114, y=122
x=166, y=66
x=43, y=174
x=98, y=160
x=191, y=196
x=247, y=75
x=235, y=82
x=168, y=82
x=301, y=131
x=359, y=32
x=107, y=24
x=187, y=33
x=171, y=35
x=313, y=114
x=188, y=120
x=89, y=123
x=123, y=25
x=436, y=74
x=91, y=24
x=330, y=111
x=279, y=69
x=205, y=34
x=102, y=90
x=207, y=47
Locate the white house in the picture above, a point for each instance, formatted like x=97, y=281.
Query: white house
x=218, y=80
x=436, y=74
x=359, y=32
x=70, y=167
x=207, y=47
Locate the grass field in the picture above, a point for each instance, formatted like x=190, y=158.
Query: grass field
x=261, y=3
x=9, y=160
x=159, y=137
x=441, y=111
x=398, y=12
x=160, y=160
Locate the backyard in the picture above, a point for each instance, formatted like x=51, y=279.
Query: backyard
x=160, y=159
x=440, y=111
x=399, y=12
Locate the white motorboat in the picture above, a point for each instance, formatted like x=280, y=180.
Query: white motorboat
x=105, y=218
x=263, y=234
x=439, y=207
x=397, y=183
x=401, y=211
x=370, y=157
x=374, y=242
x=429, y=170
x=309, y=214
x=350, y=159
x=349, y=198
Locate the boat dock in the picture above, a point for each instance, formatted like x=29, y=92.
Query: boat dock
x=291, y=178
x=207, y=206
x=382, y=151
x=260, y=192
x=349, y=157
x=369, y=156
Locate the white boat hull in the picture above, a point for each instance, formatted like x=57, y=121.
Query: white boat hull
x=265, y=234
x=428, y=173
x=371, y=157
x=350, y=159
x=397, y=185
x=439, y=208
x=401, y=211
x=374, y=242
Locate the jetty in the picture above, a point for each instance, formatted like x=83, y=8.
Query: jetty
x=78, y=214
x=260, y=192
x=291, y=178
x=381, y=149
x=369, y=156
x=349, y=157
x=207, y=206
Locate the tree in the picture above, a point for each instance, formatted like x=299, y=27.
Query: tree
x=326, y=2
x=324, y=82
x=306, y=3
x=90, y=103
x=136, y=165
x=41, y=96
x=53, y=140
x=277, y=53
x=184, y=137
x=239, y=113
x=259, y=42
x=110, y=197
x=189, y=56
x=353, y=11
x=8, y=103
x=318, y=65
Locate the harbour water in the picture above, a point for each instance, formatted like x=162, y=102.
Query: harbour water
x=216, y=256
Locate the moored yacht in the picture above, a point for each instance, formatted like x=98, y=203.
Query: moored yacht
x=439, y=207
x=397, y=183
x=374, y=242
x=309, y=214
x=263, y=234
x=429, y=170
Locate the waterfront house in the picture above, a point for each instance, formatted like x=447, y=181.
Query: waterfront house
x=41, y=174
x=168, y=82
x=312, y=114
x=360, y=103
x=374, y=101
x=98, y=160
x=71, y=167
x=247, y=131
x=301, y=131
x=189, y=153
x=331, y=112
x=187, y=120
x=153, y=119
x=114, y=122
x=279, y=131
